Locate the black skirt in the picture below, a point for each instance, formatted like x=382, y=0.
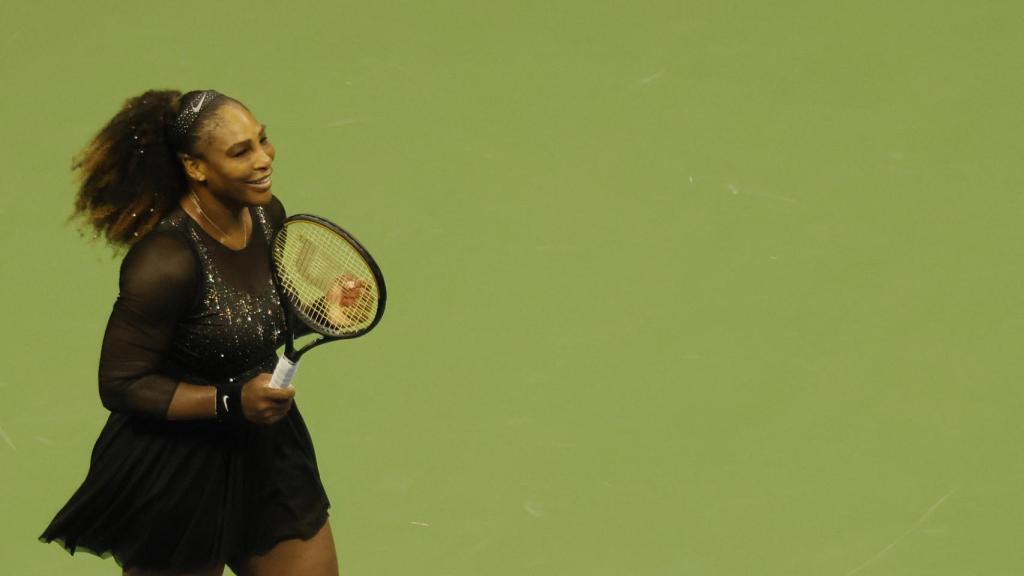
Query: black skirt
x=186, y=495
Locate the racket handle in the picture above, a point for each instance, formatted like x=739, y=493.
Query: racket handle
x=283, y=373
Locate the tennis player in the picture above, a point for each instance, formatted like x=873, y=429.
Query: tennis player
x=200, y=465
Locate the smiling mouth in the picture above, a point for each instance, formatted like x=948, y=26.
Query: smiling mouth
x=262, y=181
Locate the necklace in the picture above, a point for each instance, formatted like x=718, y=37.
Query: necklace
x=223, y=235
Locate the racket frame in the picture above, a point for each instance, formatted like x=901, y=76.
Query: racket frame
x=290, y=311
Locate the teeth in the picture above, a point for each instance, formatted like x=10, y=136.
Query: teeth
x=261, y=180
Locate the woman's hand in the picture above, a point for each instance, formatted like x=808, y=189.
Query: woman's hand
x=262, y=404
x=342, y=298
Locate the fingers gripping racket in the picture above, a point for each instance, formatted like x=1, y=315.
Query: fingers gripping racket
x=328, y=281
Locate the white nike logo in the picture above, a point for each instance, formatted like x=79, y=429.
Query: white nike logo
x=198, y=105
x=224, y=399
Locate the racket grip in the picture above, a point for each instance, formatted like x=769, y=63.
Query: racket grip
x=283, y=373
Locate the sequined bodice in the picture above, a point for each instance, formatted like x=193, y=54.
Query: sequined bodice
x=231, y=332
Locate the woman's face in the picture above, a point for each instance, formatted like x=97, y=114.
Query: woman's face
x=236, y=157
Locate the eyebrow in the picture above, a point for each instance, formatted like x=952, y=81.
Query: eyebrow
x=263, y=131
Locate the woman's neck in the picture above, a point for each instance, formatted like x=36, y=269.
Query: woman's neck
x=227, y=222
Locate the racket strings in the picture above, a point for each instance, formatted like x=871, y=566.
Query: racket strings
x=317, y=288
x=316, y=267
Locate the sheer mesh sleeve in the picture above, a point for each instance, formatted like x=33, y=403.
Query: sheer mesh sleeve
x=275, y=213
x=159, y=279
x=275, y=216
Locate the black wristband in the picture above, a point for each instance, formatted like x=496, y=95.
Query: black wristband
x=229, y=403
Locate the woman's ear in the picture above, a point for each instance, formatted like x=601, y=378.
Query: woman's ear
x=194, y=168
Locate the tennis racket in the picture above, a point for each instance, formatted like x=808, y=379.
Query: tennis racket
x=326, y=280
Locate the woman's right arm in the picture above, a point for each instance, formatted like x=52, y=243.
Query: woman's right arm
x=159, y=282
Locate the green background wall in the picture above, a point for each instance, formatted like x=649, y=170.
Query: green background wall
x=708, y=288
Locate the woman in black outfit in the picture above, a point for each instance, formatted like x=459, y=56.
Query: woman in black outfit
x=200, y=464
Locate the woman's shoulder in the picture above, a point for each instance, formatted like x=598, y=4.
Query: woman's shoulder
x=174, y=221
x=274, y=211
x=164, y=255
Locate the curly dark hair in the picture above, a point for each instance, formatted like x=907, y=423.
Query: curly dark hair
x=130, y=174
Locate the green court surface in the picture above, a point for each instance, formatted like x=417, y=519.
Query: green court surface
x=675, y=288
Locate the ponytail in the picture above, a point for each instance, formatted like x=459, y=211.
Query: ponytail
x=130, y=174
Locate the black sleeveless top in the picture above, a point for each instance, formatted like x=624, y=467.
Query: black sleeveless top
x=184, y=495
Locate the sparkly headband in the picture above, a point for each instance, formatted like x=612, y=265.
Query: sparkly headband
x=192, y=105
